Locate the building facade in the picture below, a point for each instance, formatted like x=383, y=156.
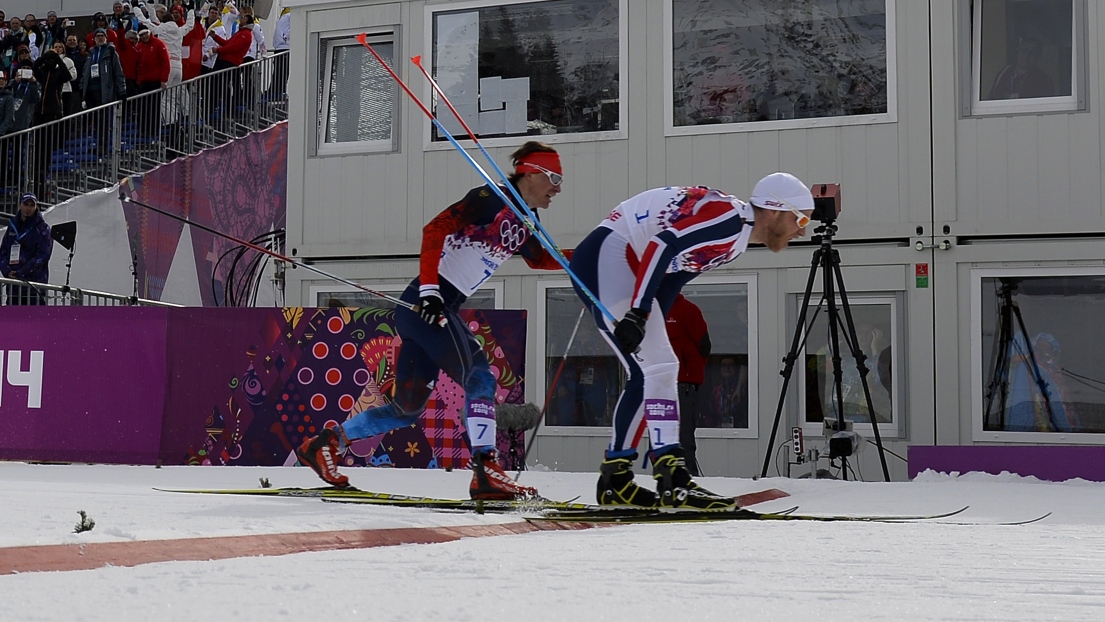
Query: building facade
x=966, y=137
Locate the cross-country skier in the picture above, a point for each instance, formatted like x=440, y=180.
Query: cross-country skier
x=635, y=262
x=461, y=248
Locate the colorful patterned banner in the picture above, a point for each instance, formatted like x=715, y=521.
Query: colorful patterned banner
x=320, y=366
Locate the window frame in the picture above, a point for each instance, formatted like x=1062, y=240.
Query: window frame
x=342, y=38
x=427, y=94
x=978, y=433
x=537, y=368
x=896, y=427
x=890, y=116
x=496, y=286
x=975, y=106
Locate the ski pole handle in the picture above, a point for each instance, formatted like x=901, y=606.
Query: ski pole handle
x=443, y=322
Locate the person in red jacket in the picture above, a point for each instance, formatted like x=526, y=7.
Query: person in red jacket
x=128, y=58
x=153, y=62
x=191, y=56
x=690, y=339
x=153, y=75
x=100, y=21
x=232, y=52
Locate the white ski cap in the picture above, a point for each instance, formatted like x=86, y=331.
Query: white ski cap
x=781, y=191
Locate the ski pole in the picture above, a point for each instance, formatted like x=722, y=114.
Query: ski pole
x=260, y=249
x=417, y=60
x=363, y=40
x=548, y=395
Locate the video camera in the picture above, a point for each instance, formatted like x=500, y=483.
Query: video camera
x=826, y=202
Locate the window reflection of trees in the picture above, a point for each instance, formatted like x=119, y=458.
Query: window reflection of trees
x=755, y=60
x=569, y=51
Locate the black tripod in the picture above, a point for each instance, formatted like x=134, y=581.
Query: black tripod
x=827, y=260
x=998, y=388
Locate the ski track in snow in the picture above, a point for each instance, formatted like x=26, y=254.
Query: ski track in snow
x=1052, y=570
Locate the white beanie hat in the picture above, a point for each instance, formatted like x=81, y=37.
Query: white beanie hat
x=781, y=191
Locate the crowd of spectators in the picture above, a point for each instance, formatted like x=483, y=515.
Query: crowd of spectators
x=58, y=67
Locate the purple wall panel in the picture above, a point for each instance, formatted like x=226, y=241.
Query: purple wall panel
x=102, y=384
x=1054, y=463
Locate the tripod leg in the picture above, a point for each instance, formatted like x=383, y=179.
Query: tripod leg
x=1036, y=374
x=861, y=360
x=792, y=355
x=999, y=378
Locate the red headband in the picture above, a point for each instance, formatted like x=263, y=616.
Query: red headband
x=549, y=160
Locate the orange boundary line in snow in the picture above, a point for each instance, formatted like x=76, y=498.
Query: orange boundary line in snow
x=62, y=557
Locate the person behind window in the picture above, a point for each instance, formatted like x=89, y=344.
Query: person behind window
x=729, y=395
x=1023, y=78
x=461, y=248
x=690, y=338
x=645, y=251
x=25, y=253
x=874, y=341
x=1033, y=408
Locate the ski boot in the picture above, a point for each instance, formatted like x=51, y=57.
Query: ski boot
x=490, y=483
x=676, y=489
x=616, y=485
x=321, y=454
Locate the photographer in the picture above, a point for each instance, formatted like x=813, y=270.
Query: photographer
x=56, y=30
x=27, y=94
x=9, y=45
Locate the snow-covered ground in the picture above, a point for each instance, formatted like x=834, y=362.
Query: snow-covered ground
x=1050, y=570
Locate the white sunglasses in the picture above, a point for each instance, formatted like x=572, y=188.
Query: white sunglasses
x=554, y=178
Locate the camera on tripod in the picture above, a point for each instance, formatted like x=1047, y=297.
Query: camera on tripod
x=826, y=202
x=844, y=442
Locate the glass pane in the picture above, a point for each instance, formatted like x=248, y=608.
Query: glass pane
x=737, y=61
x=591, y=377
x=1025, y=49
x=362, y=94
x=1041, y=352
x=530, y=68
x=875, y=335
x=482, y=299
x=723, y=397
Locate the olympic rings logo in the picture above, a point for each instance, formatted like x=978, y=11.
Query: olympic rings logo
x=512, y=235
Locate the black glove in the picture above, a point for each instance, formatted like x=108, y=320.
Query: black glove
x=631, y=330
x=431, y=307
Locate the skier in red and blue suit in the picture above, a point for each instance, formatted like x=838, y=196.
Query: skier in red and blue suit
x=645, y=251
x=462, y=247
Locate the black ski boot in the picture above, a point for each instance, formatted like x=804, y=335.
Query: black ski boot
x=616, y=485
x=676, y=489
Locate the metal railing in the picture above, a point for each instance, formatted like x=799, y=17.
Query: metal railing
x=14, y=292
x=96, y=148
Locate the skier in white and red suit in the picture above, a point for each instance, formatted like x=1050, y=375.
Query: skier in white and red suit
x=461, y=248
x=635, y=262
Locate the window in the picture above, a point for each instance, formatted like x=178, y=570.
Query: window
x=530, y=68
x=591, y=379
x=1026, y=55
x=358, y=100
x=726, y=398
x=752, y=61
x=1039, y=352
x=876, y=330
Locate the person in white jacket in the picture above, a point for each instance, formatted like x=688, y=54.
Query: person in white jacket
x=282, y=44
x=166, y=28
